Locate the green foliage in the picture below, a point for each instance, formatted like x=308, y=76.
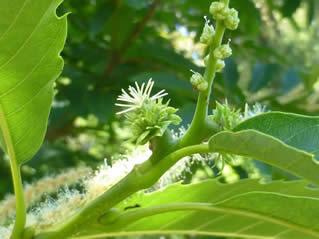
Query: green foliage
x=256, y=145
x=33, y=37
x=246, y=209
x=298, y=131
x=113, y=43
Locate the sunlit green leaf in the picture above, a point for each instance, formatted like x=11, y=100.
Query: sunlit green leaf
x=31, y=38
x=299, y=131
x=268, y=149
x=246, y=209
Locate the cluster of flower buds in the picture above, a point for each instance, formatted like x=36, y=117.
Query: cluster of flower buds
x=232, y=20
x=208, y=33
x=225, y=116
x=198, y=81
x=221, y=12
x=222, y=52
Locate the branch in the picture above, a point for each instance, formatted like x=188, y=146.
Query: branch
x=141, y=177
x=116, y=56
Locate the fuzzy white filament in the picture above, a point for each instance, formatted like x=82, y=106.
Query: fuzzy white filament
x=5, y=232
x=136, y=96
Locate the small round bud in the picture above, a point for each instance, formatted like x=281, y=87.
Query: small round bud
x=232, y=20
x=202, y=86
x=196, y=78
x=208, y=33
x=223, y=51
x=220, y=65
x=218, y=10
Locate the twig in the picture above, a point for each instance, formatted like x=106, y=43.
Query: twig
x=116, y=56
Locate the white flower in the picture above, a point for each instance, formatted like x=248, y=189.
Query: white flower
x=135, y=97
x=5, y=232
x=251, y=111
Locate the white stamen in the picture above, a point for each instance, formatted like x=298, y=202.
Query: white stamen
x=136, y=96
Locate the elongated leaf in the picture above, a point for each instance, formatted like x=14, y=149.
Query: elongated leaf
x=268, y=149
x=31, y=38
x=299, y=131
x=246, y=209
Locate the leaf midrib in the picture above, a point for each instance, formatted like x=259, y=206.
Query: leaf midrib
x=141, y=213
x=7, y=136
x=171, y=232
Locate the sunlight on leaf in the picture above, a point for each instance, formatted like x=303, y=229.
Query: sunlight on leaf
x=246, y=209
x=31, y=38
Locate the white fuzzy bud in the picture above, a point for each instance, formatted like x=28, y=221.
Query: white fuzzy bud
x=220, y=65
x=222, y=52
x=232, y=20
x=208, y=33
x=218, y=10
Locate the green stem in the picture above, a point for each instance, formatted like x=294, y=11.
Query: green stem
x=141, y=177
x=20, y=202
x=197, y=126
x=20, y=221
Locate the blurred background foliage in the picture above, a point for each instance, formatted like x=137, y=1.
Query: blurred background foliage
x=112, y=43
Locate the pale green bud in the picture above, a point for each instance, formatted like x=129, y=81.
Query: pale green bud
x=198, y=81
x=220, y=65
x=202, y=86
x=218, y=10
x=232, y=20
x=208, y=33
x=196, y=78
x=223, y=51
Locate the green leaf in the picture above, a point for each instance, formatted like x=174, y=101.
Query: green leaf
x=268, y=149
x=246, y=209
x=31, y=38
x=299, y=131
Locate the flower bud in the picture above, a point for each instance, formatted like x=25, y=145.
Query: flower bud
x=225, y=116
x=208, y=33
x=198, y=81
x=196, y=78
x=232, y=20
x=202, y=86
x=220, y=65
x=218, y=10
x=223, y=51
